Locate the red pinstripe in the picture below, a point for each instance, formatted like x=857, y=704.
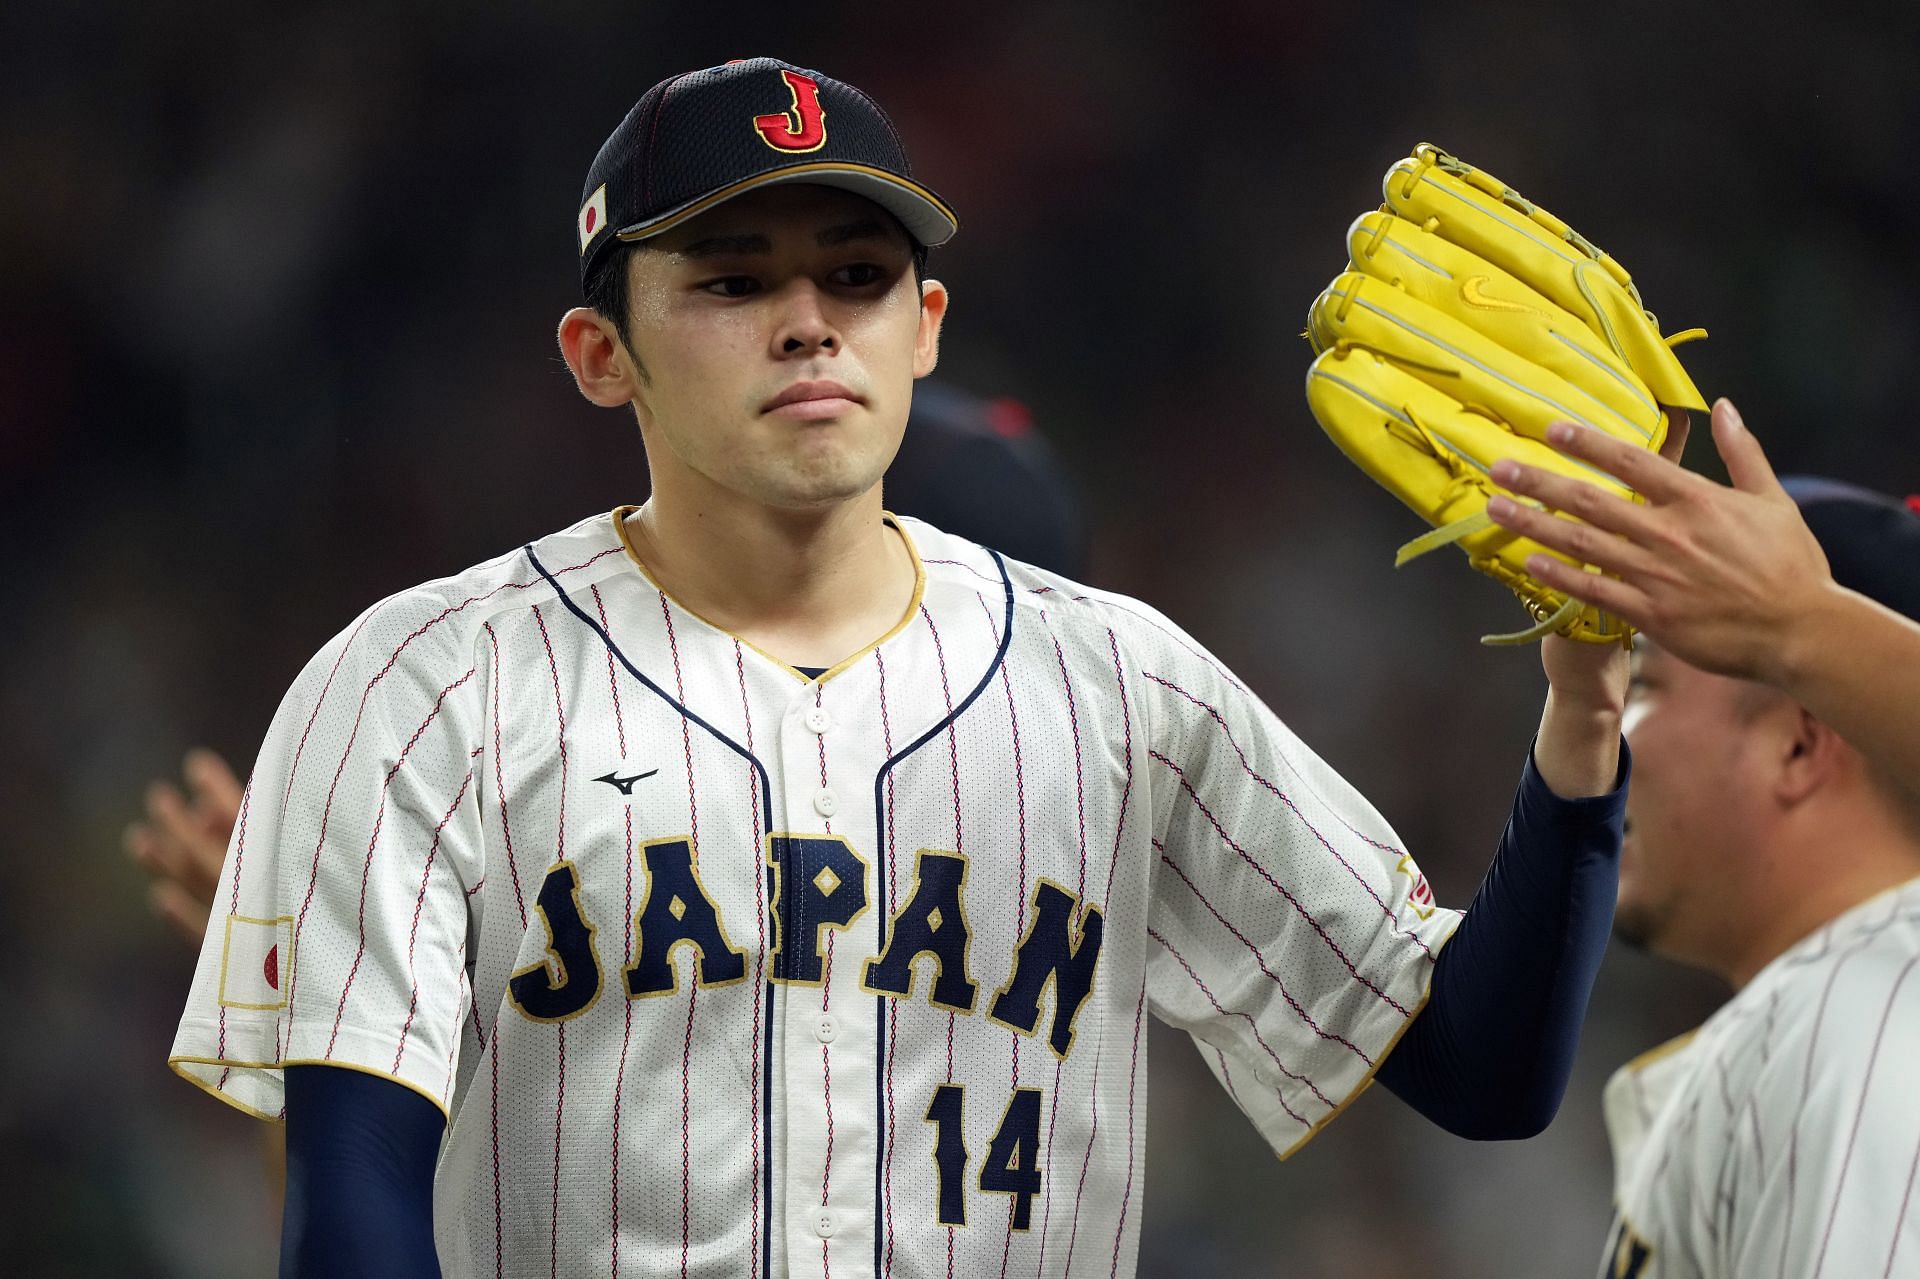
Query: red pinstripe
x=893, y=1006
x=239, y=852
x=626, y=949
x=1900, y=1220
x=560, y=1037
x=1133, y=1078
x=1079, y=774
x=1866, y=1082
x=626, y=1038
x=693, y=972
x=1259, y=959
x=1086, y=1162
x=1252, y=1025
x=366, y=866
x=963, y=565
x=613, y=683
x=419, y=903
x=500, y=778
x=953, y=754
x=1247, y=767
x=1020, y=896
x=760, y=955
x=826, y=999
x=1126, y=753
x=1151, y=624
x=1277, y=885
x=499, y=1240
x=1226, y=1074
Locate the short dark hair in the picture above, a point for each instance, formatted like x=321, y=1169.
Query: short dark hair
x=606, y=290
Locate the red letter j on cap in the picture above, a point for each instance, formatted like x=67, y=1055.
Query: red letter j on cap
x=803, y=127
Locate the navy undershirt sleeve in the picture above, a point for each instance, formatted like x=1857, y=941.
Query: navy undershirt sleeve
x=360, y=1156
x=1491, y=1054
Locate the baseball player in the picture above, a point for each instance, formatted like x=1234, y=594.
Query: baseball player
x=754, y=882
x=1782, y=1137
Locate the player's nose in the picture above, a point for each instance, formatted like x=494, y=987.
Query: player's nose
x=802, y=326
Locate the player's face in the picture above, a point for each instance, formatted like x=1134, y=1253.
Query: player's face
x=1694, y=808
x=780, y=334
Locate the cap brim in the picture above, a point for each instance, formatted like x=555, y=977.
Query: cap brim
x=925, y=215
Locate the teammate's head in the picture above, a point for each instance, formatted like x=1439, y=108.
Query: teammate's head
x=746, y=229
x=1746, y=813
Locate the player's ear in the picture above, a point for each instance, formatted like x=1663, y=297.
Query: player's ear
x=926, y=342
x=1813, y=755
x=603, y=368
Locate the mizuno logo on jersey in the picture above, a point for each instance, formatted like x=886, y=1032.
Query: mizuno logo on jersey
x=624, y=784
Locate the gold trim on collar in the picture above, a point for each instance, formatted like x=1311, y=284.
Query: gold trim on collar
x=620, y=514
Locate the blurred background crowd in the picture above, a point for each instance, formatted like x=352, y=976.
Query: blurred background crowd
x=277, y=295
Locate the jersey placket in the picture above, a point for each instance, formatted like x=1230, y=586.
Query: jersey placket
x=827, y=1048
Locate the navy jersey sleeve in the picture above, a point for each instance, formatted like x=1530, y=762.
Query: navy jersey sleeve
x=1490, y=1055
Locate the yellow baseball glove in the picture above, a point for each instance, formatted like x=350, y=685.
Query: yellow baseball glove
x=1467, y=321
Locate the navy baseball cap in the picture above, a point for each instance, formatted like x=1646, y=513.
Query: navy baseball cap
x=1872, y=541
x=701, y=138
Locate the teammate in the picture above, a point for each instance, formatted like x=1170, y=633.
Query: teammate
x=1782, y=1137
x=755, y=882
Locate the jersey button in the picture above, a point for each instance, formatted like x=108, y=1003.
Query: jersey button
x=824, y=1224
x=817, y=720
x=824, y=803
x=827, y=1029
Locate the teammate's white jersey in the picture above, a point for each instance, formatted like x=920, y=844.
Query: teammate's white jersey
x=718, y=971
x=1781, y=1139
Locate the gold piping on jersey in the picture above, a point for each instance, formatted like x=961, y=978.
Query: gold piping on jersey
x=620, y=514
x=1654, y=1054
x=205, y=1086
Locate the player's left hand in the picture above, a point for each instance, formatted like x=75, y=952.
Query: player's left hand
x=183, y=841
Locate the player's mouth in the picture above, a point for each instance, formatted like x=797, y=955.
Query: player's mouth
x=813, y=401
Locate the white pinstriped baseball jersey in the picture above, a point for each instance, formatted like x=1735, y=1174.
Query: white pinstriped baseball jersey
x=720, y=971
x=1781, y=1139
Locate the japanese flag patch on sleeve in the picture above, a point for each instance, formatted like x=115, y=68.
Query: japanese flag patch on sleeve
x=255, y=962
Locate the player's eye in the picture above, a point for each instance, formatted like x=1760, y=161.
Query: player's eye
x=731, y=286
x=859, y=275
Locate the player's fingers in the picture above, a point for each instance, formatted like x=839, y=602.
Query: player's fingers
x=186, y=913
x=168, y=813
x=155, y=850
x=1646, y=473
x=1576, y=497
x=1608, y=594
x=216, y=791
x=1679, y=427
x=1746, y=461
x=1582, y=541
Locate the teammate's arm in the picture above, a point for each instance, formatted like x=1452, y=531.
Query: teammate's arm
x=1728, y=579
x=360, y=1157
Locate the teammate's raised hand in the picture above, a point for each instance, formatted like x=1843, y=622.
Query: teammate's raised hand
x=183, y=841
x=1716, y=575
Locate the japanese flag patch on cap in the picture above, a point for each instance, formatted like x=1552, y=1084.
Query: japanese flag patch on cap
x=593, y=217
x=256, y=962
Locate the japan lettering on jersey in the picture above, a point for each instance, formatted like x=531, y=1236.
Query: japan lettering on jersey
x=717, y=970
x=1782, y=1138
